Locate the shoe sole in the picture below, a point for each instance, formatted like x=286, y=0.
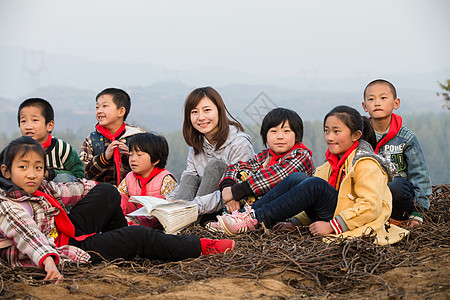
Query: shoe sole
x=212, y=229
x=224, y=228
x=232, y=247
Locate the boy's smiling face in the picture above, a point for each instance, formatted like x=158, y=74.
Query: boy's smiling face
x=379, y=101
x=32, y=124
x=107, y=113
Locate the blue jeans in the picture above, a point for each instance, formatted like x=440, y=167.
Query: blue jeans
x=402, y=198
x=294, y=194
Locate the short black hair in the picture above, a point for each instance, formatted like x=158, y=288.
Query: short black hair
x=154, y=144
x=279, y=116
x=381, y=81
x=45, y=106
x=120, y=99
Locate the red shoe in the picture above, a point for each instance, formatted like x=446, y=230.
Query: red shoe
x=210, y=246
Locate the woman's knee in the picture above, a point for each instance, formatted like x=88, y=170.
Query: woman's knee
x=215, y=168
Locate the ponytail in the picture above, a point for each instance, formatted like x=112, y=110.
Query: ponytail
x=368, y=134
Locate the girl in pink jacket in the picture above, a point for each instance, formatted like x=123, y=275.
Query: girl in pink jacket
x=148, y=157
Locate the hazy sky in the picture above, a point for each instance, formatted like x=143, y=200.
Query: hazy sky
x=281, y=38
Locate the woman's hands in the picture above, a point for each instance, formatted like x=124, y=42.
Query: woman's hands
x=52, y=270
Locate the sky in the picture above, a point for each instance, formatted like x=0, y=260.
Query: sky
x=278, y=38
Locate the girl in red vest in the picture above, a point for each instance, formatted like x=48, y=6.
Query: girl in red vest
x=148, y=157
x=35, y=229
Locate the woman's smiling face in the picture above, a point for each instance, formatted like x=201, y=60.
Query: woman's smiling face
x=205, y=118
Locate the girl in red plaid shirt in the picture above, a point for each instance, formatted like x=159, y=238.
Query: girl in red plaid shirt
x=246, y=181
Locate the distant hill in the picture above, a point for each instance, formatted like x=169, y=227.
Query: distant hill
x=158, y=93
x=159, y=106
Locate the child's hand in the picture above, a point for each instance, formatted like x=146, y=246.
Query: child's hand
x=232, y=206
x=52, y=270
x=283, y=226
x=227, y=195
x=320, y=228
x=413, y=223
x=123, y=149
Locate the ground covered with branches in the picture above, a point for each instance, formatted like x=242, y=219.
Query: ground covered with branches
x=268, y=264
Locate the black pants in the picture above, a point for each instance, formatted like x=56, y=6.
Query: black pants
x=99, y=212
x=402, y=198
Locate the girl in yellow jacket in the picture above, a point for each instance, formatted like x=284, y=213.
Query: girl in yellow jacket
x=347, y=196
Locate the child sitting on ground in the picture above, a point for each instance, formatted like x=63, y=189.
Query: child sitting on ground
x=148, y=157
x=104, y=152
x=245, y=181
x=411, y=188
x=36, y=119
x=35, y=229
x=348, y=196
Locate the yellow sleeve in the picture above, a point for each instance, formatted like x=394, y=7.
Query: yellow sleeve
x=168, y=185
x=123, y=187
x=368, y=191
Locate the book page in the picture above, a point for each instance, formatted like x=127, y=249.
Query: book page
x=148, y=202
x=172, y=215
x=175, y=217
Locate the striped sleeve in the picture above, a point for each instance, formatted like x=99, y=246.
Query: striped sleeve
x=336, y=227
x=69, y=193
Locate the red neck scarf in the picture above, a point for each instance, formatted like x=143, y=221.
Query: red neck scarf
x=107, y=134
x=48, y=142
x=337, y=163
x=275, y=158
x=394, y=127
x=65, y=228
x=144, y=180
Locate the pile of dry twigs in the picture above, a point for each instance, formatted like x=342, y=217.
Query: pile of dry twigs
x=304, y=262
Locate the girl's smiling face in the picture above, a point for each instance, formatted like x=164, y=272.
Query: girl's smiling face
x=338, y=136
x=27, y=171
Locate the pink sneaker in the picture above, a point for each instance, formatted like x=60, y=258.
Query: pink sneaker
x=214, y=227
x=210, y=246
x=238, y=222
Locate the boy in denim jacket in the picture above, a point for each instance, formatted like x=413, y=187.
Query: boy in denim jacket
x=411, y=188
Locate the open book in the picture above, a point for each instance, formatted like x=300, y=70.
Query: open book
x=172, y=215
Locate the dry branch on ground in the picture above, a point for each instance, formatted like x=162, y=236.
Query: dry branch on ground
x=304, y=263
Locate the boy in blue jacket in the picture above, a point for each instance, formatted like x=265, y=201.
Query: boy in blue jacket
x=411, y=188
